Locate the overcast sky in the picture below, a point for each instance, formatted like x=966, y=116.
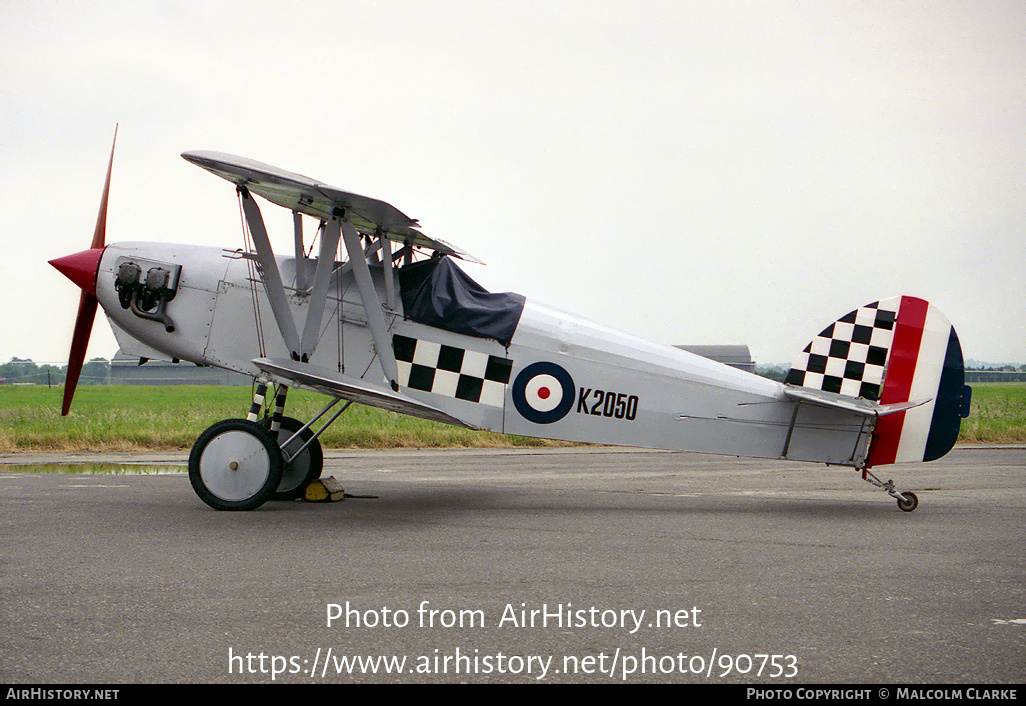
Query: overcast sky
x=692, y=172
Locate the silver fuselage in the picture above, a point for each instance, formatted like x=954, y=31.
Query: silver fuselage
x=625, y=390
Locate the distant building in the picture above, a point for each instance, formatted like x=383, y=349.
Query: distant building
x=125, y=370
x=995, y=376
x=735, y=356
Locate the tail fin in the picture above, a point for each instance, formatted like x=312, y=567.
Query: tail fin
x=895, y=350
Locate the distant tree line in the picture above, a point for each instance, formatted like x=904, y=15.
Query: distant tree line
x=773, y=372
x=24, y=371
x=975, y=373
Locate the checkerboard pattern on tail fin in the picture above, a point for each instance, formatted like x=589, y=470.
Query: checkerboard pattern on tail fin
x=849, y=356
x=895, y=350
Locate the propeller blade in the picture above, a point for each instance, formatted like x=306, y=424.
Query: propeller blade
x=100, y=234
x=79, y=342
x=87, y=303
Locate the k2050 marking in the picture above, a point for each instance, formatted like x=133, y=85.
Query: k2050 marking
x=606, y=403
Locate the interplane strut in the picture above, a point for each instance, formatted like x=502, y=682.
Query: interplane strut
x=271, y=275
x=336, y=229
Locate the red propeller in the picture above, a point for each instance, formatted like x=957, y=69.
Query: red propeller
x=81, y=269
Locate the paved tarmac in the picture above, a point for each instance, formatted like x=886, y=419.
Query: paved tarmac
x=521, y=566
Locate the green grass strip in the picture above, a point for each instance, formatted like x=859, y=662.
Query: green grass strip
x=127, y=418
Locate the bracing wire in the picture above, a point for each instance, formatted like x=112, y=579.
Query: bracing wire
x=253, y=276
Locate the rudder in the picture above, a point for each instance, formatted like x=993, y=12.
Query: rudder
x=895, y=350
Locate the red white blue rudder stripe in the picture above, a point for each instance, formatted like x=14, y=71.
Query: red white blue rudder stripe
x=896, y=350
x=925, y=363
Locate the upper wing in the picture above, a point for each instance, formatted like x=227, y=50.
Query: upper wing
x=305, y=195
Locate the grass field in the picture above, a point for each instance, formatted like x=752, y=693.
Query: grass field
x=997, y=415
x=126, y=418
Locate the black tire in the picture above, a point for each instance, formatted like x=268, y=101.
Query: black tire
x=303, y=469
x=910, y=502
x=252, y=451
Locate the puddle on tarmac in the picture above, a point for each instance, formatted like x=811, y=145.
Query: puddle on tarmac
x=98, y=469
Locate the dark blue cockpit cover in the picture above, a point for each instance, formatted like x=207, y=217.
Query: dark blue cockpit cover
x=438, y=293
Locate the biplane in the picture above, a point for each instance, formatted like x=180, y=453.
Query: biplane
x=396, y=323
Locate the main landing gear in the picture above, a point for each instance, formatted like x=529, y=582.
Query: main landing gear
x=907, y=501
x=305, y=457
x=239, y=464
x=235, y=465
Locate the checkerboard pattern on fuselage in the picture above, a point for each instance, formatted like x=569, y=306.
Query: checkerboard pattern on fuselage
x=451, y=371
x=850, y=356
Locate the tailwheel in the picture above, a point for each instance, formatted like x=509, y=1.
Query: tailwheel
x=235, y=465
x=908, y=501
x=304, y=467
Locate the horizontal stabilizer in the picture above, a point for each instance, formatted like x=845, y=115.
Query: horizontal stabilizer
x=348, y=387
x=858, y=405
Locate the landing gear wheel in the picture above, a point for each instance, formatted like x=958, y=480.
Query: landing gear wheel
x=235, y=465
x=908, y=501
x=305, y=467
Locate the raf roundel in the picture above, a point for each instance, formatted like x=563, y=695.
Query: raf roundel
x=543, y=393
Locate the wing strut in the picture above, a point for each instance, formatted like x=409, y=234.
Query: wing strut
x=386, y=265
x=301, y=274
x=338, y=228
x=319, y=294
x=371, y=303
x=272, y=277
